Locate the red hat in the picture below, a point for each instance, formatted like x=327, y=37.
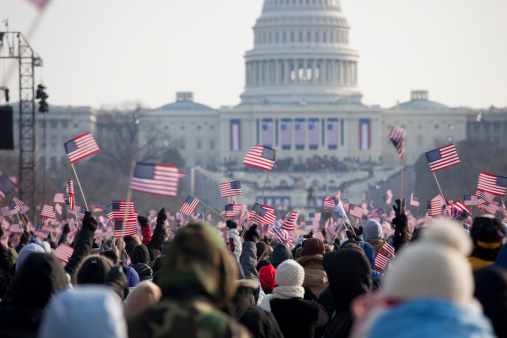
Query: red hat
x=267, y=277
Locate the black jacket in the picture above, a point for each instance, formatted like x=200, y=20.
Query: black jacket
x=40, y=276
x=157, y=241
x=349, y=274
x=259, y=322
x=82, y=244
x=298, y=317
x=5, y=267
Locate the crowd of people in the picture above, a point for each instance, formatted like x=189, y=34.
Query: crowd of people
x=441, y=280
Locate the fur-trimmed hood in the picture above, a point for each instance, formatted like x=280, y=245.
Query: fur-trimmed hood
x=315, y=274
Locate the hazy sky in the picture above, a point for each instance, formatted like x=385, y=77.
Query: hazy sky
x=105, y=52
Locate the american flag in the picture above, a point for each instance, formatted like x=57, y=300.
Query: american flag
x=381, y=261
x=189, y=205
x=262, y=214
x=69, y=197
x=332, y=133
x=486, y=196
x=299, y=133
x=330, y=203
x=436, y=205
x=81, y=147
x=442, y=158
x=490, y=208
x=64, y=252
x=290, y=222
x=267, y=132
x=388, y=197
x=313, y=133
x=47, y=212
x=98, y=208
x=181, y=175
x=155, y=179
x=43, y=232
x=388, y=249
x=119, y=209
x=260, y=157
x=230, y=189
x=378, y=213
x=79, y=211
x=286, y=133
x=319, y=235
x=59, y=198
x=311, y=225
x=16, y=228
x=125, y=227
x=281, y=236
x=102, y=221
x=493, y=184
x=397, y=136
x=314, y=216
x=15, y=205
x=339, y=210
x=414, y=200
x=232, y=209
x=471, y=200
x=6, y=186
x=460, y=211
x=356, y=211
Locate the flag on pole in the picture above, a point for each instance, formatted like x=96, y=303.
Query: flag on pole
x=229, y=189
x=290, y=222
x=79, y=211
x=98, y=208
x=397, y=136
x=119, y=209
x=263, y=214
x=59, y=198
x=436, y=205
x=125, y=227
x=486, y=196
x=340, y=212
x=356, y=211
x=47, y=212
x=43, y=232
x=490, y=208
x=388, y=197
x=459, y=211
x=471, y=200
x=15, y=205
x=155, y=179
x=493, y=184
x=378, y=213
x=260, y=157
x=442, y=158
x=414, y=200
x=80, y=147
x=330, y=203
x=189, y=205
x=63, y=252
x=69, y=194
x=232, y=209
x=6, y=186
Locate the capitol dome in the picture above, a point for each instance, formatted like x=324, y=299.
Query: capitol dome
x=301, y=54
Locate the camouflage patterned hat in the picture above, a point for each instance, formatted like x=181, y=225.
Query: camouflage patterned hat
x=198, y=258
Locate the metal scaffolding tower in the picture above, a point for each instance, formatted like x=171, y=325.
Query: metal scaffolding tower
x=28, y=60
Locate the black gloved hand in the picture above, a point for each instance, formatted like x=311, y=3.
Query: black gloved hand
x=66, y=229
x=351, y=236
x=117, y=279
x=324, y=232
x=399, y=208
x=231, y=224
x=251, y=234
x=143, y=221
x=89, y=221
x=309, y=235
x=161, y=217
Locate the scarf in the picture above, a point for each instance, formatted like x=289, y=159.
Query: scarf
x=287, y=292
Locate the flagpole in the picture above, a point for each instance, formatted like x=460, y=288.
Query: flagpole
x=79, y=183
x=263, y=190
x=216, y=212
x=277, y=230
x=442, y=194
x=402, y=167
x=20, y=217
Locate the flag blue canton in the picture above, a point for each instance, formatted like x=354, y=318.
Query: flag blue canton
x=268, y=153
x=71, y=146
x=501, y=181
x=236, y=185
x=189, y=200
x=144, y=170
x=433, y=155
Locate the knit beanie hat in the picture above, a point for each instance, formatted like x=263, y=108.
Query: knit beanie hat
x=372, y=231
x=27, y=250
x=94, y=270
x=487, y=232
x=290, y=273
x=312, y=246
x=267, y=277
x=433, y=267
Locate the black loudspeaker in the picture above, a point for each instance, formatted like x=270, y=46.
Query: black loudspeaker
x=6, y=126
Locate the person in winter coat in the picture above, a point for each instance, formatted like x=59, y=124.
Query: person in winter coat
x=429, y=290
x=36, y=280
x=402, y=234
x=234, y=238
x=85, y=312
x=349, y=274
x=370, y=253
x=311, y=259
x=259, y=322
x=296, y=317
x=140, y=262
x=145, y=294
x=373, y=234
x=197, y=279
x=267, y=279
x=491, y=291
x=99, y=270
x=279, y=255
x=487, y=234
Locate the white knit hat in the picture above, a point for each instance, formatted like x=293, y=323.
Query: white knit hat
x=428, y=269
x=448, y=232
x=289, y=273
